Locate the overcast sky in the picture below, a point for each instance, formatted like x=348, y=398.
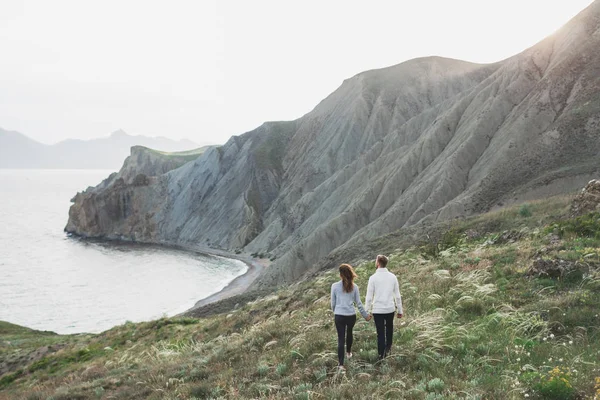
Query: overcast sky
x=206, y=70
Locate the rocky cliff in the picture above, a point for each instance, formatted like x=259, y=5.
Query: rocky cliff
x=123, y=194
x=426, y=140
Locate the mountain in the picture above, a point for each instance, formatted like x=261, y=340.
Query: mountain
x=19, y=151
x=427, y=140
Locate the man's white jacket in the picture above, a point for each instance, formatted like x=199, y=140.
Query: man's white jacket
x=382, y=292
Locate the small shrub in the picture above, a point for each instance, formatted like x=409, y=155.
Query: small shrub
x=9, y=378
x=302, y=391
x=262, y=370
x=99, y=392
x=198, y=374
x=525, y=211
x=434, y=245
x=587, y=225
x=555, y=385
x=260, y=389
x=320, y=375
x=201, y=391
x=281, y=369
x=472, y=261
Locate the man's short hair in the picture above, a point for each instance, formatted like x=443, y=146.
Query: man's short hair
x=382, y=261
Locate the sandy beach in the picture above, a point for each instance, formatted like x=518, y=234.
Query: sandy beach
x=237, y=286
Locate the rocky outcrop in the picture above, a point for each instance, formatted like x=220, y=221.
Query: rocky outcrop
x=557, y=268
x=113, y=209
x=588, y=200
x=423, y=141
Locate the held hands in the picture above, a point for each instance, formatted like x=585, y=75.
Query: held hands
x=399, y=315
x=368, y=318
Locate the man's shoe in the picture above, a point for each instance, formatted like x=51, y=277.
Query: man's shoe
x=341, y=369
x=348, y=355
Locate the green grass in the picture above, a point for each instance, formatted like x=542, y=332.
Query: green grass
x=186, y=155
x=476, y=326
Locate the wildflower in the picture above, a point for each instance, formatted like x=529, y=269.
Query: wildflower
x=528, y=354
x=545, y=339
x=526, y=394
x=570, y=342
x=552, y=336
x=560, y=360
x=550, y=359
x=518, y=359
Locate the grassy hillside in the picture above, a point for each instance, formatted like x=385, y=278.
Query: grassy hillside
x=188, y=155
x=505, y=305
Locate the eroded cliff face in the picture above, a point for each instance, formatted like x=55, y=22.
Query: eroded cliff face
x=124, y=204
x=429, y=139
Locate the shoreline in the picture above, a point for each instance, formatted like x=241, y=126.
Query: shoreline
x=239, y=285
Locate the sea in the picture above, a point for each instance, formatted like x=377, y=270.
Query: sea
x=52, y=282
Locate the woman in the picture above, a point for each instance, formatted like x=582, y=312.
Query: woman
x=344, y=295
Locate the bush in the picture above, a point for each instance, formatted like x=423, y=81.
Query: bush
x=202, y=391
x=433, y=246
x=435, y=385
x=525, y=211
x=262, y=370
x=320, y=375
x=281, y=369
x=9, y=378
x=555, y=385
x=302, y=391
x=587, y=225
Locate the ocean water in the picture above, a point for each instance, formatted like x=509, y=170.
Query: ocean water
x=49, y=281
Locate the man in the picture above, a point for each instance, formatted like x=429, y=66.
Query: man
x=383, y=296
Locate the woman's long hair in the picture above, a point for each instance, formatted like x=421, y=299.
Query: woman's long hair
x=347, y=273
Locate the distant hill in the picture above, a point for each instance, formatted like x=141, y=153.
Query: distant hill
x=20, y=151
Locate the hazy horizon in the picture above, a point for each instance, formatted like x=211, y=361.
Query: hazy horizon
x=207, y=71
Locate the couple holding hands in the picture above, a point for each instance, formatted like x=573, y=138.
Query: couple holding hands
x=382, y=302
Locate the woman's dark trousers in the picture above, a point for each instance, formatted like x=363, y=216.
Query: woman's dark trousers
x=384, y=323
x=343, y=322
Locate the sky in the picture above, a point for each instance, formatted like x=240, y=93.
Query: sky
x=207, y=70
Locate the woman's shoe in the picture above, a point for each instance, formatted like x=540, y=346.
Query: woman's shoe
x=348, y=355
x=341, y=369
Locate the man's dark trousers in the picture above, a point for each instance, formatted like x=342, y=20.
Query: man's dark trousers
x=385, y=331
